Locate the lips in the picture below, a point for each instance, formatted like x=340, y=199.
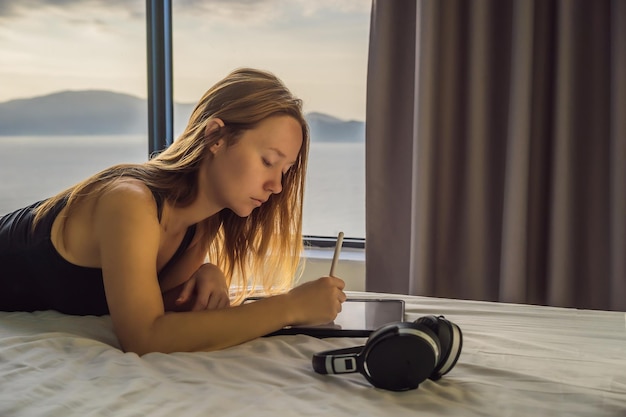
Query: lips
x=258, y=202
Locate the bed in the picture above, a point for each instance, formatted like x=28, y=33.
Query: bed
x=517, y=360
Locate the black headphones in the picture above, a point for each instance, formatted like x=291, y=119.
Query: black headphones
x=399, y=356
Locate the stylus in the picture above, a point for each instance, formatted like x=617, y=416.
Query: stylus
x=336, y=255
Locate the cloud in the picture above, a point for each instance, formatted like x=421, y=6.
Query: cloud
x=10, y=9
x=135, y=8
x=232, y=10
x=318, y=46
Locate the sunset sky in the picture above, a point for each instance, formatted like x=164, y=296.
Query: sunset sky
x=318, y=48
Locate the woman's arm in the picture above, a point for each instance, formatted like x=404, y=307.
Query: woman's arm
x=180, y=271
x=128, y=233
x=191, y=283
x=205, y=289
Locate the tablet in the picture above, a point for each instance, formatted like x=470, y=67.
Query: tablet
x=358, y=318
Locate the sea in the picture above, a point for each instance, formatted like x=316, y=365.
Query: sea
x=33, y=168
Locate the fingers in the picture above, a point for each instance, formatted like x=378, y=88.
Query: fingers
x=334, y=281
x=200, y=304
x=339, y=284
x=203, y=299
x=208, y=287
x=187, y=290
x=218, y=299
x=212, y=300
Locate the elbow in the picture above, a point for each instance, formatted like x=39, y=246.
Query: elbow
x=142, y=345
x=156, y=342
x=148, y=338
x=139, y=349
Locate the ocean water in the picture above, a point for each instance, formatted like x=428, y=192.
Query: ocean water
x=35, y=167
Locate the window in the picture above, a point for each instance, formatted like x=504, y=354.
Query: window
x=319, y=49
x=73, y=97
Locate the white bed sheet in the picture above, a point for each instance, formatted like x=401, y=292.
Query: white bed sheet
x=517, y=360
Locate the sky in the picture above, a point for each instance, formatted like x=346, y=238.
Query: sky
x=317, y=47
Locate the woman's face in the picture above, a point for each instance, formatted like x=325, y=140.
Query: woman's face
x=244, y=175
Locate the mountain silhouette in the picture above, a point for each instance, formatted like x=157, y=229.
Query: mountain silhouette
x=97, y=112
x=325, y=128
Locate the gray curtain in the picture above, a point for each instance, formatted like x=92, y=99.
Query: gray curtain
x=496, y=151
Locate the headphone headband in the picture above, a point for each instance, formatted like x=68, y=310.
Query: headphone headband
x=337, y=361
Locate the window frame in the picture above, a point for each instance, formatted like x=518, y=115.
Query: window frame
x=160, y=89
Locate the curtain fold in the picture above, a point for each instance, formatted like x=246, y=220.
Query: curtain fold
x=392, y=87
x=495, y=151
x=618, y=155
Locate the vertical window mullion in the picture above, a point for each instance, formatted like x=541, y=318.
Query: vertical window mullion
x=160, y=98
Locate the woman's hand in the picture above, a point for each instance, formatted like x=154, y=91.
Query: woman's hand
x=206, y=289
x=317, y=302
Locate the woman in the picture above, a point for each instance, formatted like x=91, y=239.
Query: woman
x=158, y=245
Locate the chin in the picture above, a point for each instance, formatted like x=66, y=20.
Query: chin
x=242, y=213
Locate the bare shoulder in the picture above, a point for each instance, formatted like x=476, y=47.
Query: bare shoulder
x=127, y=201
x=127, y=194
x=126, y=231
x=130, y=190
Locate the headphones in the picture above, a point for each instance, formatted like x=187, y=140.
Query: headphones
x=399, y=356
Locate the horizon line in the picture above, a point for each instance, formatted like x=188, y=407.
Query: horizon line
x=145, y=98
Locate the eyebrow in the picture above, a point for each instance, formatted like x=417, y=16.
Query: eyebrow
x=282, y=155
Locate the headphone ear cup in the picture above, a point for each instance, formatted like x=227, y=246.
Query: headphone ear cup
x=400, y=357
x=450, y=339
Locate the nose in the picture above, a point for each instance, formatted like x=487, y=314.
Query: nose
x=275, y=184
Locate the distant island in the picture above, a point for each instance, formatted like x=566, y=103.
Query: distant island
x=97, y=112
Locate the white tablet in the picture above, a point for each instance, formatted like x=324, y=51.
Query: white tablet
x=358, y=318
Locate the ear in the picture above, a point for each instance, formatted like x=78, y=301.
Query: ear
x=216, y=146
x=213, y=125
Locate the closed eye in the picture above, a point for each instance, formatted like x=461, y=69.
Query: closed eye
x=267, y=163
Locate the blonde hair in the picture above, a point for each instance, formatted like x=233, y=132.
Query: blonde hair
x=259, y=251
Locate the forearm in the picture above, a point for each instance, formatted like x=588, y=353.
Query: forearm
x=212, y=329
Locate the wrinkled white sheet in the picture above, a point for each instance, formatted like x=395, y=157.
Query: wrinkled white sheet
x=517, y=360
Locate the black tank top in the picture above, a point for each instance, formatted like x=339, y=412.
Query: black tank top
x=34, y=276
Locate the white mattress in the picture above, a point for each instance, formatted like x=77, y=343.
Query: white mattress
x=516, y=361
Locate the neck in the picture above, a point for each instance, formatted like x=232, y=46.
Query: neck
x=178, y=219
